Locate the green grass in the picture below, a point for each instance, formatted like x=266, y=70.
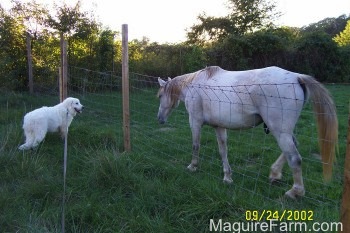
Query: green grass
x=149, y=189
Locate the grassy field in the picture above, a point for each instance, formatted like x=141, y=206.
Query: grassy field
x=149, y=189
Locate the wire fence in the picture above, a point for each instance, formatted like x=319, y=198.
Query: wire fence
x=251, y=152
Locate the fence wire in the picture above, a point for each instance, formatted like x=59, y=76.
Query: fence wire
x=251, y=152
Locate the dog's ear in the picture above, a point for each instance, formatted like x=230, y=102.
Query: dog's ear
x=73, y=101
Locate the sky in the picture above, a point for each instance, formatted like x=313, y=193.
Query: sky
x=166, y=21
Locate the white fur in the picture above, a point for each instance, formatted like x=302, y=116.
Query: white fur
x=49, y=119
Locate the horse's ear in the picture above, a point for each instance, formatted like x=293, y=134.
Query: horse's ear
x=161, y=82
x=169, y=79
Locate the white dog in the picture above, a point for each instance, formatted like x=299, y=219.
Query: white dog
x=49, y=119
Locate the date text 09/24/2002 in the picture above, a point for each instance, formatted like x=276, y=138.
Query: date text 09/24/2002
x=285, y=215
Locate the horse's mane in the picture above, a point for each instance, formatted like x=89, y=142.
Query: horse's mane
x=210, y=71
x=174, y=87
x=186, y=79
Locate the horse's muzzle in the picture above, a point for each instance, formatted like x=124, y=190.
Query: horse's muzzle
x=161, y=120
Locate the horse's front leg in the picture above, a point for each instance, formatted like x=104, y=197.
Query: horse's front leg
x=221, y=135
x=196, y=131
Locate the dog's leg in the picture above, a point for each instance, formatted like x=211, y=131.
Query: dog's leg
x=24, y=146
x=63, y=131
x=29, y=140
x=39, y=136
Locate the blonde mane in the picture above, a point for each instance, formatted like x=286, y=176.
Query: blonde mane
x=174, y=87
x=210, y=71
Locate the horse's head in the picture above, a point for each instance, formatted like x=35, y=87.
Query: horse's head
x=168, y=99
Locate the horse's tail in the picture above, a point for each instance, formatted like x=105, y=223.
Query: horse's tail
x=327, y=121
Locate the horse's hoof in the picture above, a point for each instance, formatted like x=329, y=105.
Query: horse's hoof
x=275, y=181
x=227, y=180
x=294, y=193
x=191, y=168
x=275, y=176
x=290, y=194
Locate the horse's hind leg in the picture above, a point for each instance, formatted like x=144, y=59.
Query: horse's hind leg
x=276, y=169
x=289, y=150
x=221, y=136
x=277, y=166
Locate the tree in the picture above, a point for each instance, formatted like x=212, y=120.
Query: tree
x=250, y=15
x=343, y=38
x=246, y=16
x=66, y=20
x=80, y=29
x=317, y=55
x=271, y=47
x=331, y=26
x=210, y=29
x=12, y=52
x=106, y=50
x=31, y=15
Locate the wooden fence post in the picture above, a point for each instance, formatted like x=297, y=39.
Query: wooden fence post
x=63, y=72
x=345, y=207
x=125, y=88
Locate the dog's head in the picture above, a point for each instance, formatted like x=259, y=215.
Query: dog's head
x=73, y=105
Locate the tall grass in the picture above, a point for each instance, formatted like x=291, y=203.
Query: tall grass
x=149, y=189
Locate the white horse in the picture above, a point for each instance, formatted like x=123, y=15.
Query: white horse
x=245, y=99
